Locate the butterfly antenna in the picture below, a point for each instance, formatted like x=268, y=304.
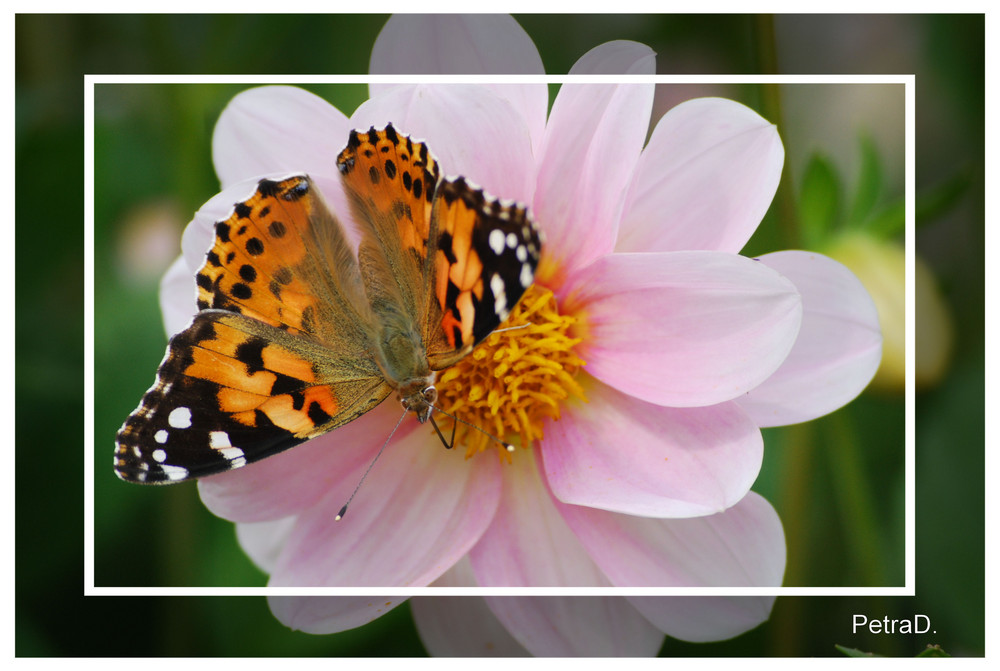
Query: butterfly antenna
x=507, y=446
x=512, y=328
x=343, y=511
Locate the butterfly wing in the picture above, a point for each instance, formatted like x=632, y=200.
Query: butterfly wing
x=484, y=260
x=454, y=259
x=279, y=353
x=282, y=258
x=233, y=390
x=390, y=181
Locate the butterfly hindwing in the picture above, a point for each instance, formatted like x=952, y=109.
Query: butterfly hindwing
x=486, y=253
x=232, y=391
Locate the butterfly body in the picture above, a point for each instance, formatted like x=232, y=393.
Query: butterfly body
x=297, y=335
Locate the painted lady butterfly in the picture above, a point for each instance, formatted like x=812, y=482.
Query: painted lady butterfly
x=296, y=335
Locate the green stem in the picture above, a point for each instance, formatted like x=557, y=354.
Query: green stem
x=794, y=484
x=856, y=501
x=770, y=102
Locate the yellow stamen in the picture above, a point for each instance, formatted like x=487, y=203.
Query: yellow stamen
x=514, y=380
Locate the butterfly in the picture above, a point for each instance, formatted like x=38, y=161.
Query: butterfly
x=297, y=334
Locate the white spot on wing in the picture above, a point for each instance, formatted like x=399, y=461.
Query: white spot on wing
x=522, y=253
x=499, y=296
x=160, y=455
x=527, y=276
x=174, y=472
x=232, y=453
x=497, y=241
x=180, y=418
x=511, y=240
x=218, y=440
x=160, y=436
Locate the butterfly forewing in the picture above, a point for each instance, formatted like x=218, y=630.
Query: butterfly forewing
x=391, y=182
x=282, y=258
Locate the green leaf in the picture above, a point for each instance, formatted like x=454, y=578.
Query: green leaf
x=941, y=199
x=869, y=185
x=931, y=204
x=852, y=652
x=819, y=201
x=890, y=221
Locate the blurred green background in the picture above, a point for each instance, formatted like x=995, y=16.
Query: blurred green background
x=837, y=483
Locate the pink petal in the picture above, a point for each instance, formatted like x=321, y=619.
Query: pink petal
x=330, y=614
x=683, y=328
x=461, y=626
x=838, y=349
x=545, y=625
x=741, y=547
x=178, y=296
x=528, y=542
x=263, y=541
x=577, y=626
x=420, y=510
x=199, y=235
x=277, y=129
x=704, y=181
x=617, y=57
x=469, y=129
x=625, y=455
x=293, y=481
x=704, y=618
x=464, y=44
x=593, y=139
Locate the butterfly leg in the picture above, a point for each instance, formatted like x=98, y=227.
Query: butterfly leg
x=448, y=444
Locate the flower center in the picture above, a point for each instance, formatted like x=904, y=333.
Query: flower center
x=515, y=379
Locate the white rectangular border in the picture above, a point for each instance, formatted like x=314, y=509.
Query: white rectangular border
x=90, y=81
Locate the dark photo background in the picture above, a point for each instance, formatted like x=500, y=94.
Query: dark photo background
x=836, y=483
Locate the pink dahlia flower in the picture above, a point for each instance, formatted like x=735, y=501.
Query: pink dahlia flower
x=655, y=353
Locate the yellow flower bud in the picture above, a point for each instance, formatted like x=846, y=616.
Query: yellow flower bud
x=880, y=265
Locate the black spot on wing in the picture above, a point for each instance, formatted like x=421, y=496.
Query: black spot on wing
x=251, y=353
x=254, y=247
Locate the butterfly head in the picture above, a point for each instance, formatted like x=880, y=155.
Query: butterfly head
x=419, y=396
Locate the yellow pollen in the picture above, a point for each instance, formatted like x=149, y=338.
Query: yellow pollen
x=515, y=379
